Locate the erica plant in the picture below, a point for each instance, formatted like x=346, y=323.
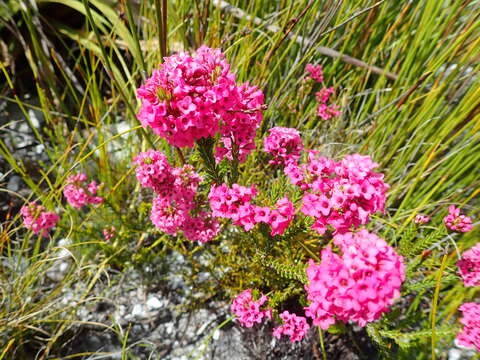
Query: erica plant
x=350, y=275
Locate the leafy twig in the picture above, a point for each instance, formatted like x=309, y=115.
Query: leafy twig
x=205, y=148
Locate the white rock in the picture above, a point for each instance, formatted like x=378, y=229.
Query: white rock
x=35, y=117
x=461, y=352
x=119, y=315
x=82, y=313
x=454, y=354
x=63, y=267
x=64, y=242
x=39, y=149
x=57, y=271
x=122, y=126
x=154, y=303
x=169, y=328
x=273, y=341
x=138, y=310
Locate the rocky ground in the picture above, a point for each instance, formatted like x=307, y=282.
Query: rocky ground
x=160, y=328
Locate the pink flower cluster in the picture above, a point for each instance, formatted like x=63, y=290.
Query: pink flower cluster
x=324, y=110
x=469, y=266
x=202, y=227
x=281, y=216
x=340, y=194
x=470, y=335
x=239, y=124
x=37, y=219
x=315, y=72
x=422, y=219
x=284, y=144
x=235, y=203
x=78, y=193
x=109, y=233
x=294, y=326
x=248, y=311
x=196, y=96
x=358, y=285
x=153, y=171
x=175, y=208
x=456, y=222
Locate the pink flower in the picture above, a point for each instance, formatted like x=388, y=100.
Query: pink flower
x=78, y=193
x=246, y=216
x=316, y=72
x=469, y=266
x=296, y=175
x=153, y=171
x=284, y=144
x=248, y=311
x=456, y=222
x=167, y=215
x=233, y=203
x=177, y=207
x=109, y=233
x=294, y=326
x=357, y=285
x=422, y=219
x=240, y=124
x=185, y=185
x=324, y=110
x=37, y=219
x=175, y=184
x=339, y=194
x=324, y=94
x=470, y=334
x=203, y=227
x=281, y=216
x=196, y=96
x=262, y=214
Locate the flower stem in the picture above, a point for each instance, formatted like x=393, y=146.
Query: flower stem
x=233, y=174
x=322, y=345
x=433, y=313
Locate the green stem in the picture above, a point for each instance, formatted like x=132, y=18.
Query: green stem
x=233, y=174
x=158, y=12
x=38, y=242
x=180, y=155
x=435, y=303
x=308, y=250
x=205, y=148
x=164, y=28
x=322, y=345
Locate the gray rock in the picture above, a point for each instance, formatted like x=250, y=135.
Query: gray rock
x=14, y=183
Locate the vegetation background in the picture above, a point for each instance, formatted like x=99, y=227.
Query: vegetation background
x=406, y=74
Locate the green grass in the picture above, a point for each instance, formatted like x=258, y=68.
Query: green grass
x=423, y=128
